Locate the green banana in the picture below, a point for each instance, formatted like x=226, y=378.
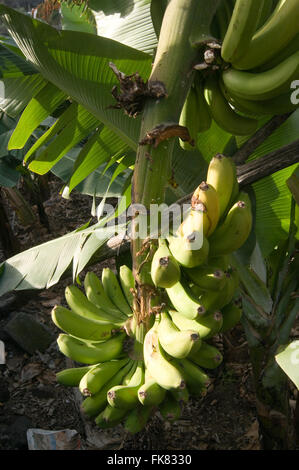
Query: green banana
x=126, y=396
x=221, y=263
x=94, y=404
x=137, y=419
x=130, y=373
x=71, y=377
x=207, y=195
x=206, y=277
x=170, y=408
x=185, y=302
x=212, y=300
x=157, y=363
x=90, y=352
x=268, y=41
x=222, y=175
x=189, y=251
x=217, y=300
x=232, y=314
x=188, y=118
x=127, y=282
x=286, y=52
x=222, y=18
x=223, y=114
x=263, y=85
x=265, y=12
x=234, y=231
x=208, y=356
x=96, y=294
x=175, y=342
x=150, y=393
x=97, y=376
x=204, y=119
x=181, y=395
x=81, y=327
x=206, y=326
x=114, y=291
x=165, y=270
x=278, y=105
x=227, y=293
x=196, y=379
x=79, y=303
x=110, y=417
x=241, y=28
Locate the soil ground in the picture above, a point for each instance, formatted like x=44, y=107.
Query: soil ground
x=225, y=419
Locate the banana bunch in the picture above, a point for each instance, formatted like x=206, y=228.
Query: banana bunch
x=219, y=222
x=262, y=64
x=128, y=369
x=247, y=71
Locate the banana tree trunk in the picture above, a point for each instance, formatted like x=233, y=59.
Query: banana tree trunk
x=21, y=207
x=173, y=67
x=9, y=242
x=276, y=424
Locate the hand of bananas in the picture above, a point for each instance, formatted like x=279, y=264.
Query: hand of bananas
x=124, y=380
x=248, y=71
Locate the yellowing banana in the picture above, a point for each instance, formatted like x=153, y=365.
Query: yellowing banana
x=234, y=231
x=207, y=195
x=222, y=176
x=196, y=220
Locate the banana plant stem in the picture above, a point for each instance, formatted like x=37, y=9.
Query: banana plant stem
x=173, y=66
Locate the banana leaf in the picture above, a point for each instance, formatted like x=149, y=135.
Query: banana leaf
x=42, y=266
x=78, y=64
x=287, y=358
